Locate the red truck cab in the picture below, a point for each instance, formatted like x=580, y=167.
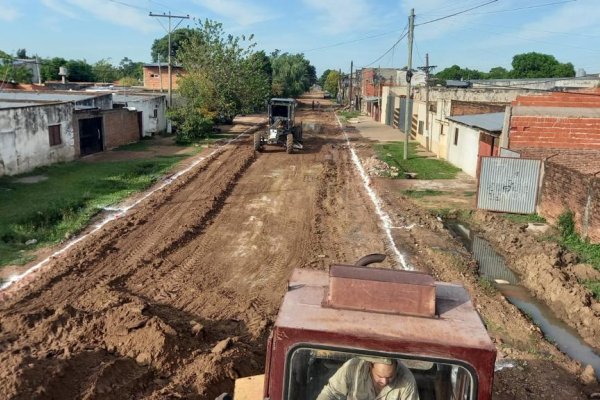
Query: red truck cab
x=327, y=319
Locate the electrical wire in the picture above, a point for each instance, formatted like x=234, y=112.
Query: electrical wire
x=456, y=13
x=349, y=41
x=129, y=5
x=402, y=36
x=524, y=8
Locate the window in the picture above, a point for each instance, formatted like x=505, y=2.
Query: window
x=442, y=130
x=155, y=114
x=153, y=75
x=421, y=127
x=456, y=136
x=310, y=369
x=54, y=135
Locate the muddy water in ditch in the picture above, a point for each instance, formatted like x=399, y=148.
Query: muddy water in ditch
x=492, y=267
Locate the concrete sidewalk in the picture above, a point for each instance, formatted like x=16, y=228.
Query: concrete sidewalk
x=375, y=131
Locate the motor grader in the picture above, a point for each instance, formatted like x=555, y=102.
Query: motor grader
x=326, y=319
x=282, y=129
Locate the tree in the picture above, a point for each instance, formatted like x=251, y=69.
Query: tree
x=80, y=71
x=292, y=74
x=331, y=83
x=104, y=71
x=223, y=77
x=457, y=73
x=131, y=69
x=498, y=73
x=160, y=47
x=538, y=65
x=22, y=53
x=323, y=77
x=50, y=67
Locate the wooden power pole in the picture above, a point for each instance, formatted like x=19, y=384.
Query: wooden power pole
x=407, y=116
x=169, y=31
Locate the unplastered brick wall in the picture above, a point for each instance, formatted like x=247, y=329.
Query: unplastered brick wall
x=470, y=108
x=557, y=120
x=568, y=187
x=120, y=127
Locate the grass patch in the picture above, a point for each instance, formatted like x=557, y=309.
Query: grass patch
x=487, y=286
x=524, y=218
x=62, y=205
x=392, y=153
x=469, y=194
x=349, y=114
x=594, y=287
x=417, y=194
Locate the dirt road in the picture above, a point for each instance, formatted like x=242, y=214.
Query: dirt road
x=175, y=300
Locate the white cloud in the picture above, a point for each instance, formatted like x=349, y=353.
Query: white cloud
x=239, y=11
x=339, y=16
x=9, y=12
x=60, y=7
x=112, y=12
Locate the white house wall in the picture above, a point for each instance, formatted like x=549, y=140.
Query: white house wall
x=24, y=137
x=150, y=125
x=464, y=154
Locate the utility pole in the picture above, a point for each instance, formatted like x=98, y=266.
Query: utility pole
x=426, y=69
x=407, y=116
x=160, y=74
x=350, y=94
x=169, y=31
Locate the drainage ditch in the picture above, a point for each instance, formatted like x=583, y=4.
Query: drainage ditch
x=493, y=268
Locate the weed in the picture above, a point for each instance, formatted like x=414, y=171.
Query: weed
x=392, y=153
x=346, y=115
x=469, y=194
x=594, y=287
x=142, y=145
x=487, y=286
x=417, y=194
x=587, y=251
x=524, y=218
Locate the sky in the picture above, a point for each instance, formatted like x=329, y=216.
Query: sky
x=330, y=33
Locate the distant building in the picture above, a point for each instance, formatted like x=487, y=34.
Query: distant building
x=156, y=76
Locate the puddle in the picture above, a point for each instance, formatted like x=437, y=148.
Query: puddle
x=492, y=267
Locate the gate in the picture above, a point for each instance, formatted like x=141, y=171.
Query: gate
x=389, y=111
x=508, y=184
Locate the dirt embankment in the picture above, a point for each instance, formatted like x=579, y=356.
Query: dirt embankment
x=552, y=273
x=175, y=299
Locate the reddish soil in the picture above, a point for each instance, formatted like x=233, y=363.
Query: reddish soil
x=175, y=300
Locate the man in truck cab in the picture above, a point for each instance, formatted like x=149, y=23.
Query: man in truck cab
x=370, y=378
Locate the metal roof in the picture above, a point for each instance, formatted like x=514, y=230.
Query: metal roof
x=123, y=98
x=285, y=100
x=491, y=122
x=47, y=96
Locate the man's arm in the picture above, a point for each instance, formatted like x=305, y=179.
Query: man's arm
x=408, y=389
x=337, y=387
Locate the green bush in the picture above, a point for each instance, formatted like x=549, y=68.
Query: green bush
x=566, y=223
x=190, y=125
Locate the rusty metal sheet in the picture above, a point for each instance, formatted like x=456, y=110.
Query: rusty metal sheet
x=508, y=184
x=381, y=290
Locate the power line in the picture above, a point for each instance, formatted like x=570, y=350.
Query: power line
x=128, y=5
x=349, y=41
x=524, y=8
x=457, y=13
x=402, y=36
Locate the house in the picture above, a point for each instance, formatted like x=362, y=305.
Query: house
x=472, y=137
x=563, y=130
x=42, y=128
x=372, y=81
x=152, y=106
x=156, y=76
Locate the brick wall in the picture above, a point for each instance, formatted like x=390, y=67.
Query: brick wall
x=120, y=127
x=567, y=188
x=470, y=108
x=557, y=121
x=152, y=77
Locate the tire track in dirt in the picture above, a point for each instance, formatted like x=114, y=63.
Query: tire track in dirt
x=185, y=288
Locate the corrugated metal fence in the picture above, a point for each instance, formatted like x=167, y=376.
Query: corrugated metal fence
x=508, y=184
